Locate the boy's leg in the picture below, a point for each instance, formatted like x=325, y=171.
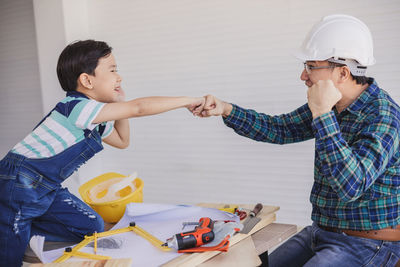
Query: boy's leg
x=294, y=252
x=67, y=219
x=14, y=235
x=15, y=222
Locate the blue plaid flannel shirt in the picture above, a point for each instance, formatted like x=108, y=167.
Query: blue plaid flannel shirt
x=357, y=159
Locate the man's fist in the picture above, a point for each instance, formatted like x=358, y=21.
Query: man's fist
x=215, y=107
x=322, y=96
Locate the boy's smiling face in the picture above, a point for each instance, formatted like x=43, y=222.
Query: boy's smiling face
x=106, y=82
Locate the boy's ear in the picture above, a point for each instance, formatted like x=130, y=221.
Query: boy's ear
x=85, y=80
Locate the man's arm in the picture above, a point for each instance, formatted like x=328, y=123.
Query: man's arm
x=282, y=129
x=352, y=169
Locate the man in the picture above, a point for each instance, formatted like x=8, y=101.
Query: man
x=355, y=195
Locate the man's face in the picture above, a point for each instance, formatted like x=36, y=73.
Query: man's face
x=323, y=72
x=106, y=81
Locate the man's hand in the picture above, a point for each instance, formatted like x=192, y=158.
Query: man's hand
x=215, y=107
x=322, y=96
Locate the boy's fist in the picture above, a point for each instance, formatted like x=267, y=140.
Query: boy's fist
x=196, y=105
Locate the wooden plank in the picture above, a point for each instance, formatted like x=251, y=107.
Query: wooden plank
x=241, y=254
x=267, y=216
x=103, y=263
x=272, y=235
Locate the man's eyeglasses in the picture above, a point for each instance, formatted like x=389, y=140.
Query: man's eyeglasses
x=309, y=68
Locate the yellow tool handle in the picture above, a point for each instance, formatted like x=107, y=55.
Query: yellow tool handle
x=82, y=244
x=152, y=239
x=89, y=238
x=95, y=242
x=85, y=255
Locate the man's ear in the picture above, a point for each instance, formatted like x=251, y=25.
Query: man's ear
x=85, y=80
x=344, y=74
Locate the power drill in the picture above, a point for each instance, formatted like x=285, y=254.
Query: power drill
x=202, y=234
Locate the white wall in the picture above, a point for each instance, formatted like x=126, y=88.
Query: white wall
x=20, y=95
x=239, y=51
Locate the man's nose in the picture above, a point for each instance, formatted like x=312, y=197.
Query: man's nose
x=304, y=75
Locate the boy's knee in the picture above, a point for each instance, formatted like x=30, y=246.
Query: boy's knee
x=96, y=225
x=99, y=225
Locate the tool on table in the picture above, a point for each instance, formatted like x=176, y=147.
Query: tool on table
x=74, y=252
x=229, y=208
x=252, y=220
x=234, y=209
x=223, y=231
x=202, y=234
x=71, y=253
x=241, y=213
x=95, y=242
x=112, y=191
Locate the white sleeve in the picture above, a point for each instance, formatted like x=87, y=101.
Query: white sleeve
x=84, y=113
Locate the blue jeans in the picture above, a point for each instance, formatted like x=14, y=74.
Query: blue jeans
x=32, y=201
x=314, y=246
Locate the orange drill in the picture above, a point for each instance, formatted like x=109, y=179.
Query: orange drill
x=202, y=234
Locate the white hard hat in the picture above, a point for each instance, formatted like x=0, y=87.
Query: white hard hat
x=338, y=37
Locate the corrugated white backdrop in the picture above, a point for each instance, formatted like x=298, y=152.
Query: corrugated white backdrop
x=239, y=51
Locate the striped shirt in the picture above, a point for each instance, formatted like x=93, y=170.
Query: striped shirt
x=67, y=124
x=357, y=159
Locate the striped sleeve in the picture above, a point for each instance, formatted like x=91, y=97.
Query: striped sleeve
x=84, y=112
x=108, y=130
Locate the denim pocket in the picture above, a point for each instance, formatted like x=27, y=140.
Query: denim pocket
x=392, y=260
x=384, y=256
x=30, y=185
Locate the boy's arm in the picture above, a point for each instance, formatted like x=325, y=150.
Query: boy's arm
x=146, y=106
x=119, y=137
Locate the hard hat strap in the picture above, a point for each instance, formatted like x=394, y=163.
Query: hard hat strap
x=355, y=68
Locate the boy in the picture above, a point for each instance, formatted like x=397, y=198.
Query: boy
x=32, y=201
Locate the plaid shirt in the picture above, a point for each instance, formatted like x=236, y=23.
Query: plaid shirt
x=357, y=159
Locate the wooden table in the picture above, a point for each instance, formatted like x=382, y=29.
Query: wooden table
x=262, y=238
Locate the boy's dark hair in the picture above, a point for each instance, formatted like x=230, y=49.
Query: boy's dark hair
x=77, y=58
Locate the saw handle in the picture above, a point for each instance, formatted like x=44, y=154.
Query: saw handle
x=256, y=210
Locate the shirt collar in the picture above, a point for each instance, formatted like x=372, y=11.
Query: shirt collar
x=363, y=99
x=76, y=94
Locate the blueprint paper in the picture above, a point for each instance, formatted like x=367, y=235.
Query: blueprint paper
x=160, y=220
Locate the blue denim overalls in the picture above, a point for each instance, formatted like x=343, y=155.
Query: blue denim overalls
x=32, y=201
